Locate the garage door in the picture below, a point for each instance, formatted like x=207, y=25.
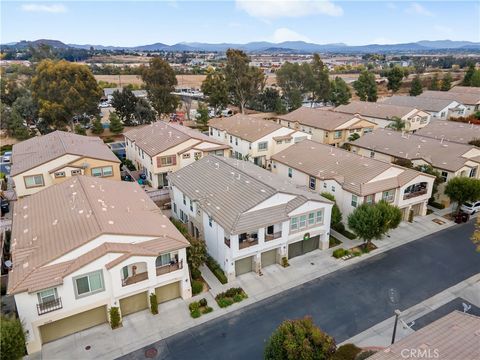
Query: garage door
x=168, y=292
x=244, y=266
x=72, y=324
x=134, y=303
x=303, y=247
x=269, y=257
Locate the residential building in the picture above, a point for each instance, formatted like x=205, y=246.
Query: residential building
x=42, y=161
x=450, y=159
x=253, y=138
x=382, y=114
x=451, y=337
x=160, y=148
x=469, y=101
x=354, y=179
x=86, y=245
x=248, y=217
x=451, y=131
x=326, y=126
x=440, y=109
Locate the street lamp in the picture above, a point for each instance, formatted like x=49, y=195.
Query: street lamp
x=397, y=314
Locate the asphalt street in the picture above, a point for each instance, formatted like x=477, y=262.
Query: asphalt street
x=343, y=303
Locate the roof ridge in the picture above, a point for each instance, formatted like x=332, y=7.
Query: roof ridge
x=87, y=196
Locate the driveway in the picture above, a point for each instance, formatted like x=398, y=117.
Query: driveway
x=343, y=303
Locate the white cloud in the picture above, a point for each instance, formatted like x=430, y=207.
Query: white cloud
x=285, y=34
x=416, y=8
x=271, y=9
x=51, y=8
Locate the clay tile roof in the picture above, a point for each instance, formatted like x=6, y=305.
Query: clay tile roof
x=451, y=131
x=421, y=103
x=461, y=97
x=245, y=127
x=375, y=110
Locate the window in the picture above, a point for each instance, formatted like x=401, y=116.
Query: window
x=236, y=141
x=218, y=133
x=279, y=142
x=231, y=139
x=163, y=260
x=47, y=296
x=211, y=132
x=312, y=182
x=262, y=146
x=473, y=172
x=354, y=201
x=288, y=141
x=175, y=208
x=388, y=195
x=89, y=284
x=338, y=134
x=290, y=172
x=249, y=146
x=372, y=154
x=367, y=130
x=210, y=221
x=102, y=171
x=324, y=185
x=219, y=152
x=444, y=176
x=303, y=221
x=294, y=223
x=197, y=155
x=168, y=160
x=76, y=172
x=184, y=200
x=311, y=219
x=33, y=181
x=333, y=188
x=191, y=205
x=186, y=156
x=59, y=174
x=369, y=199
x=319, y=217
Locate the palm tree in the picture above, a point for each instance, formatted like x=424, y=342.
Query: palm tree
x=397, y=124
x=353, y=137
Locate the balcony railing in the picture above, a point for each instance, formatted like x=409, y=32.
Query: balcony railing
x=276, y=235
x=49, y=306
x=165, y=269
x=135, y=278
x=247, y=243
x=414, y=194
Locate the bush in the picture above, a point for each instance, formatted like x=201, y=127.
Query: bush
x=230, y=296
x=195, y=313
x=13, y=338
x=285, y=262
x=194, y=306
x=196, y=274
x=346, y=352
x=436, y=205
x=216, y=269
x=153, y=304
x=203, y=302
x=237, y=298
x=224, y=302
x=207, y=309
x=114, y=317
x=197, y=287
x=365, y=354
x=340, y=227
x=339, y=253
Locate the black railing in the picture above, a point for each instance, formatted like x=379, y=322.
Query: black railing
x=49, y=306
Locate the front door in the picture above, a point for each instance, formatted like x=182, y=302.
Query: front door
x=162, y=180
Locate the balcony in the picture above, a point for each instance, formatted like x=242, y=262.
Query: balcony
x=247, y=243
x=135, y=278
x=165, y=269
x=49, y=306
x=415, y=190
x=410, y=195
x=276, y=235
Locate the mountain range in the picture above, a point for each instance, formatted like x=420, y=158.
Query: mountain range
x=269, y=47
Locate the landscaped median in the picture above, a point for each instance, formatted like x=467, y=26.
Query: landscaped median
x=197, y=308
x=232, y=295
x=359, y=250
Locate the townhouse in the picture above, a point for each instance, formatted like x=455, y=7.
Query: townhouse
x=248, y=217
x=86, y=245
x=42, y=161
x=451, y=131
x=450, y=159
x=382, y=114
x=160, y=148
x=439, y=109
x=354, y=179
x=470, y=102
x=326, y=126
x=252, y=138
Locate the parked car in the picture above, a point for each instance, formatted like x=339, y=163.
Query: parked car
x=4, y=206
x=104, y=105
x=471, y=208
x=7, y=157
x=227, y=112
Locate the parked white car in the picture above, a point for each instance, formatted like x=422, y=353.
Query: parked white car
x=104, y=105
x=7, y=157
x=470, y=208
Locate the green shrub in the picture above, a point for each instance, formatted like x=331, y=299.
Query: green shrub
x=285, y=262
x=224, y=302
x=340, y=227
x=194, y=306
x=153, y=304
x=338, y=253
x=195, y=313
x=346, y=352
x=356, y=253
x=196, y=274
x=12, y=340
x=5, y=148
x=216, y=269
x=230, y=296
x=207, y=309
x=237, y=298
x=197, y=287
x=203, y=302
x=365, y=354
x=114, y=317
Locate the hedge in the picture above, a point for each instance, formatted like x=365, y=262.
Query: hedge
x=216, y=269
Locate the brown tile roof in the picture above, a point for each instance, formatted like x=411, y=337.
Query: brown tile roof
x=466, y=89
x=245, y=127
x=160, y=136
x=321, y=119
x=440, y=154
x=461, y=97
x=354, y=172
x=455, y=336
x=375, y=110
x=421, y=103
x=63, y=217
x=42, y=149
x=451, y=131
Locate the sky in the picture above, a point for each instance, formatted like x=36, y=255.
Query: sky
x=131, y=23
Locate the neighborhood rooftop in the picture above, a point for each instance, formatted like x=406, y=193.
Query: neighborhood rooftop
x=244, y=126
x=41, y=149
x=160, y=136
x=228, y=188
x=63, y=217
x=466, y=89
x=439, y=153
x=357, y=174
x=320, y=119
x=422, y=103
x=460, y=97
x=375, y=110
x=451, y=131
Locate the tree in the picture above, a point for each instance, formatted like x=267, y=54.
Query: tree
x=339, y=92
x=124, y=103
x=244, y=81
x=373, y=221
x=202, y=115
x=64, y=90
x=395, y=77
x=476, y=79
x=467, y=79
x=116, y=125
x=320, y=81
x=80, y=130
x=269, y=101
x=416, y=88
x=353, y=137
x=462, y=189
x=12, y=338
x=366, y=87
x=434, y=82
x=295, y=81
x=336, y=217
x=97, y=127
x=196, y=252
x=215, y=88
x=144, y=113
x=10, y=89
x=396, y=124
x=16, y=127
x=160, y=81
x=299, y=340
x=403, y=162
x=446, y=82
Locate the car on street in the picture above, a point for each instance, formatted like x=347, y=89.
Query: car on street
x=7, y=157
x=471, y=207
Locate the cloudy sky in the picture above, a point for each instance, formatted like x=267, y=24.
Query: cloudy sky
x=128, y=23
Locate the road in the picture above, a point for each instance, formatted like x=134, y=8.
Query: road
x=343, y=303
